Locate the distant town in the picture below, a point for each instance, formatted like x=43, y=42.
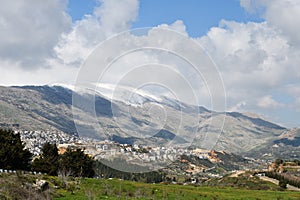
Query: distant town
x=134, y=154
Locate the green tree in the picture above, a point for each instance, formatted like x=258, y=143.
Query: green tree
x=278, y=161
x=77, y=164
x=48, y=160
x=282, y=184
x=13, y=155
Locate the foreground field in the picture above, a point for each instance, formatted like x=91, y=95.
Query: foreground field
x=118, y=189
x=22, y=186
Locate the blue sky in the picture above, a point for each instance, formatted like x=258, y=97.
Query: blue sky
x=78, y=8
x=198, y=15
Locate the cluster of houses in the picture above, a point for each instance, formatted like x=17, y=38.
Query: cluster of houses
x=34, y=141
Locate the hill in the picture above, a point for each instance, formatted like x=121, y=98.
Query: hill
x=285, y=146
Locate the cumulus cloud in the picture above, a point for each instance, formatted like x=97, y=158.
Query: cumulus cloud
x=111, y=17
x=281, y=14
x=116, y=16
x=38, y=39
x=29, y=34
x=259, y=59
x=253, y=58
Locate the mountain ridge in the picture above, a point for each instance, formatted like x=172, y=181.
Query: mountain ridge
x=44, y=107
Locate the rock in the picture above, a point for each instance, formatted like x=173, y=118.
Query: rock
x=41, y=185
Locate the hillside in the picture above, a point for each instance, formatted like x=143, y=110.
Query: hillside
x=285, y=146
x=145, y=119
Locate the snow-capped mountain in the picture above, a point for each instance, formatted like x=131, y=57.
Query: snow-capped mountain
x=129, y=116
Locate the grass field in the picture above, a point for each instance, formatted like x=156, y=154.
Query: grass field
x=118, y=189
x=16, y=186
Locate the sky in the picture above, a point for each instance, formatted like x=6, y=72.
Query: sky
x=254, y=44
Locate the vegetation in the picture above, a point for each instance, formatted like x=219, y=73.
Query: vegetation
x=245, y=181
x=283, y=184
x=13, y=155
x=48, y=161
x=118, y=189
x=72, y=163
x=20, y=186
x=284, y=179
x=77, y=164
x=286, y=172
x=69, y=171
x=104, y=171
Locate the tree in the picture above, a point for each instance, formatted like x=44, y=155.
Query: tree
x=297, y=162
x=13, y=155
x=48, y=160
x=77, y=163
x=278, y=161
x=282, y=184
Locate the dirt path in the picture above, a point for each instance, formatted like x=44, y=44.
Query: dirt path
x=237, y=173
x=289, y=187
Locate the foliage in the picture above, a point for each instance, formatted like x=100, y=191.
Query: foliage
x=48, y=160
x=72, y=163
x=283, y=184
x=13, y=155
x=278, y=161
x=284, y=178
x=105, y=171
x=77, y=163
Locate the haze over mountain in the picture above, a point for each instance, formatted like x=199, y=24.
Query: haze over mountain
x=145, y=119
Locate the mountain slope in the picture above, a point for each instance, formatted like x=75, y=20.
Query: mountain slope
x=285, y=146
x=145, y=120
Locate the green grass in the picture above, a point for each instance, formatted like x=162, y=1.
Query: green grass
x=12, y=187
x=118, y=189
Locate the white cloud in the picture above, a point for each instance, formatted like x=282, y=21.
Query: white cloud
x=238, y=107
x=178, y=26
x=14, y=74
x=39, y=44
x=268, y=102
x=281, y=14
x=255, y=59
x=111, y=17
x=116, y=16
x=29, y=31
